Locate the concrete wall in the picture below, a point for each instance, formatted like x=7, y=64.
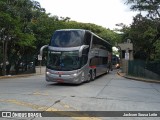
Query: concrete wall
x=40, y=70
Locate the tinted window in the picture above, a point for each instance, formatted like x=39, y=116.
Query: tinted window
x=84, y=60
x=65, y=61
x=87, y=39
x=98, y=43
x=67, y=38
x=84, y=56
x=98, y=61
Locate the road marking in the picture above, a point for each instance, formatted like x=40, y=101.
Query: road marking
x=46, y=108
x=21, y=103
x=40, y=93
x=67, y=106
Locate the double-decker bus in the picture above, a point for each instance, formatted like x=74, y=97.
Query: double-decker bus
x=76, y=56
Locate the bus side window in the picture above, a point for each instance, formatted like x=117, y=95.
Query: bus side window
x=85, y=56
x=105, y=60
x=84, y=60
x=87, y=38
x=85, y=51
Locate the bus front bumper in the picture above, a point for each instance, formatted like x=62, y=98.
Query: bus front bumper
x=74, y=78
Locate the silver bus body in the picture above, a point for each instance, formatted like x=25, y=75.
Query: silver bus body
x=81, y=63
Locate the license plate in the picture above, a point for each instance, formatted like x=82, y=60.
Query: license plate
x=60, y=80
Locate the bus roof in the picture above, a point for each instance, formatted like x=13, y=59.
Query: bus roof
x=86, y=31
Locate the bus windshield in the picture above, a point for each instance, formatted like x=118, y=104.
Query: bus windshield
x=72, y=38
x=63, y=61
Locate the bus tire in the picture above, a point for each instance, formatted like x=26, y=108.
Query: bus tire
x=89, y=76
x=108, y=71
x=94, y=75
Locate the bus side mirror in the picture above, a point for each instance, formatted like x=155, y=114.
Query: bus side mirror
x=42, y=48
x=81, y=49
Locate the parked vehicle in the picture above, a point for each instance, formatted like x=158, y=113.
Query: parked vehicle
x=115, y=62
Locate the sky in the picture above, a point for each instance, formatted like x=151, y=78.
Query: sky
x=106, y=13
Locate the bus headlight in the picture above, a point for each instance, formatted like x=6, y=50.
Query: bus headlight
x=75, y=74
x=48, y=73
x=117, y=66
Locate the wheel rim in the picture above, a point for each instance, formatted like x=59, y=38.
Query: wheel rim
x=89, y=76
x=93, y=75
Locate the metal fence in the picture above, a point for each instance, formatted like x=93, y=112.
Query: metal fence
x=20, y=65
x=139, y=68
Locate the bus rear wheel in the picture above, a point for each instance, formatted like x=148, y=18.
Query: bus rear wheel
x=93, y=75
x=89, y=76
x=108, y=70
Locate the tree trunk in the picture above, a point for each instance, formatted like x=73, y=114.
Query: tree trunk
x=5, y=43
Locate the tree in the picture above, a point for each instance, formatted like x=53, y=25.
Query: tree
x=152, y=7
x=9, y=27
x=104, y=33
x=142, y=33
x=26, y=27
x=147, y=34
x=15, y=28
x=157, y=50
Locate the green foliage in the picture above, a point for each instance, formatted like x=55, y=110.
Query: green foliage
x=150, y=6
x=1, y=56
x=144, y=31
x=157, y=50
x=29, y=27
x=27, y=40
x=15, y=23
x=104, y=33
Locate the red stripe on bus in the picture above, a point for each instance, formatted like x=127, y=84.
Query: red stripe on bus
x=93, y=67
x=60, y=80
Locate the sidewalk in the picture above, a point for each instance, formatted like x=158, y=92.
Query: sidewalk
x=39, y=71
x=137, y=78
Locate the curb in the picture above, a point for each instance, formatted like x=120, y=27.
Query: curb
x=18, y=76
x=138, y=78
x=38, y=72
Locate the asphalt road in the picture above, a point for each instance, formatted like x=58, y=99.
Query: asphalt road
x=107, y=93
